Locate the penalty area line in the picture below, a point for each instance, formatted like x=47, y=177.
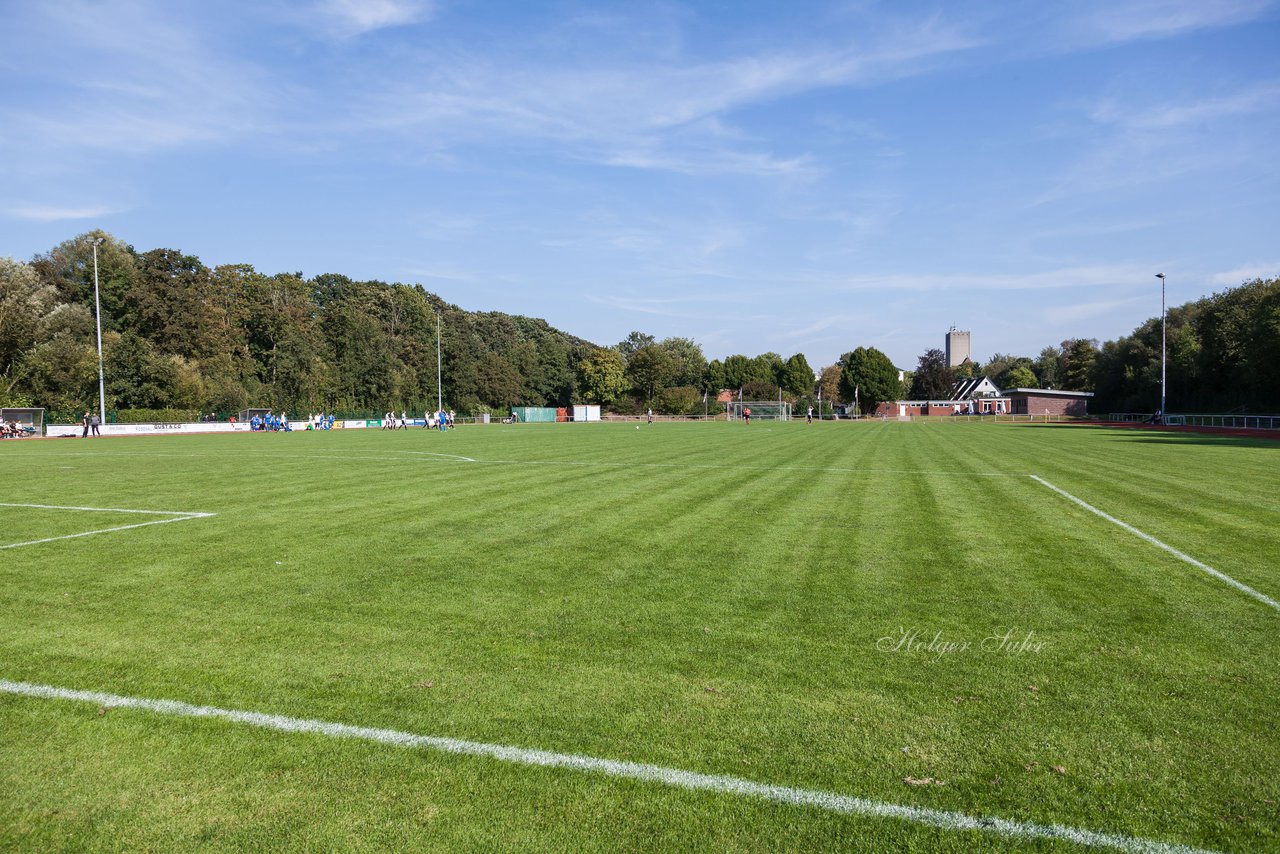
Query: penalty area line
x=674, y=777
x=175, y=516
x=1186, y=558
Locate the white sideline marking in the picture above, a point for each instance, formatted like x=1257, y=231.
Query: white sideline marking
x=829, y=801
x=383, y=455
x=177, y=516
x=715, y=466
x=190, y=513
x=1221, y=576
x=434, y=454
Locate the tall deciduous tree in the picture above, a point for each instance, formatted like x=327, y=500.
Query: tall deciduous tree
x=797, y=376
x=932, y=379
x=649, y=369
x=601, y=376
x=689, y=365
x=870, y=374
x=1079, y=359
x=633, y=342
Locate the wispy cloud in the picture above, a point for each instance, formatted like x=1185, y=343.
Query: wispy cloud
x=50, y=213
x=1087, y=310
x=666, y=306
x=1257, y=98
x=1249, y=272
x=1147, y=19
x=660, y=113
x=1087, y=276
x=140, y=82
x=357, y=17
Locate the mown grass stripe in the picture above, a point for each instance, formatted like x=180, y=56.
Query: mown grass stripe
x=816, y=799
x=1186, y=558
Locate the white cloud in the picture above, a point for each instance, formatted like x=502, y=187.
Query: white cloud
x=135, y=82
x=1147, y=19
x=1265, y=96
x=1062, y=278
x=356, y=17
x=655, y=113
x=1247, y=273
x=1086, y=310
x=49, y=213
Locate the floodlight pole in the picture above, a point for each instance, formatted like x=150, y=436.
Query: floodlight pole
x=439, y=388
x=97, y=311
x=1163, y=339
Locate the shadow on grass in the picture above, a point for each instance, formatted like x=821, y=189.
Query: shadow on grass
x=1173, y=435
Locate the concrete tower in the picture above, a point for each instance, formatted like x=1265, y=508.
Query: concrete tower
x=957, y=347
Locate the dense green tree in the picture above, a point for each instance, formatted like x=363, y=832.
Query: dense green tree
x=138, y=375
x=737, y=372
x=869, y=375
x=829, y=382
x=998, y=368
x=1050, y=366
x=601, y=376
x=797, y=377
x=1078, y=358
x=679, y=400
x=1019, y=377
x=760, y=390
x=688, y=365
x=932, y=379
x=649, y=369
x=768, y=368
x=68, y=267
x=25, y=301
x=634, y=342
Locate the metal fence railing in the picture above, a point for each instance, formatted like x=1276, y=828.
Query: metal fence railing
x=1246, y=422
x=1239, y=422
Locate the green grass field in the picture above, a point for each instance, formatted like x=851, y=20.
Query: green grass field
x=713, y=598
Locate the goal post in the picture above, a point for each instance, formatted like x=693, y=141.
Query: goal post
x=765, y=410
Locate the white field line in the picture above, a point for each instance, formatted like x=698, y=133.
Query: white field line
x=176, y=516
x=190, y=513
x=714, y=466
x=816, y=799
x=1221, y=576
x=588, y=463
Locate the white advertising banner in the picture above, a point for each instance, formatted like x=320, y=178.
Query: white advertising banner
x=148, y=429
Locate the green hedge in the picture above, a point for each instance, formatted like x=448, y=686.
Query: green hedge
x=156, y=416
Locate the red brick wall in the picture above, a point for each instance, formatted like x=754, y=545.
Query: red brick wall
x=1036, y=405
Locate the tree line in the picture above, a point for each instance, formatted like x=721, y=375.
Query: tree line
x=180, y=335
x=1222, y=355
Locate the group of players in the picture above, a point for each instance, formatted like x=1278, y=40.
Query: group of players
x=439, y=420
x=270, y=423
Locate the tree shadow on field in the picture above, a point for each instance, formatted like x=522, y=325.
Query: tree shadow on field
x=1174, y=436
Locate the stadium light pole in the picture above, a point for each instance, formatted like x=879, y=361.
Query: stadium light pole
x=97, y=311
x=439, y=388
x=1160, y=276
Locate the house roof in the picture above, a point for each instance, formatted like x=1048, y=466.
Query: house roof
x=1048, y=392
x=967, y=388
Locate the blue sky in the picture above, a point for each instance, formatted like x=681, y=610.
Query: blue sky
x=795, y=177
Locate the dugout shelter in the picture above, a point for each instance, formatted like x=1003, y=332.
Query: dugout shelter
x=29, y=418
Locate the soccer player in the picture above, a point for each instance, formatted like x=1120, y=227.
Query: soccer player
x=746, y=415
